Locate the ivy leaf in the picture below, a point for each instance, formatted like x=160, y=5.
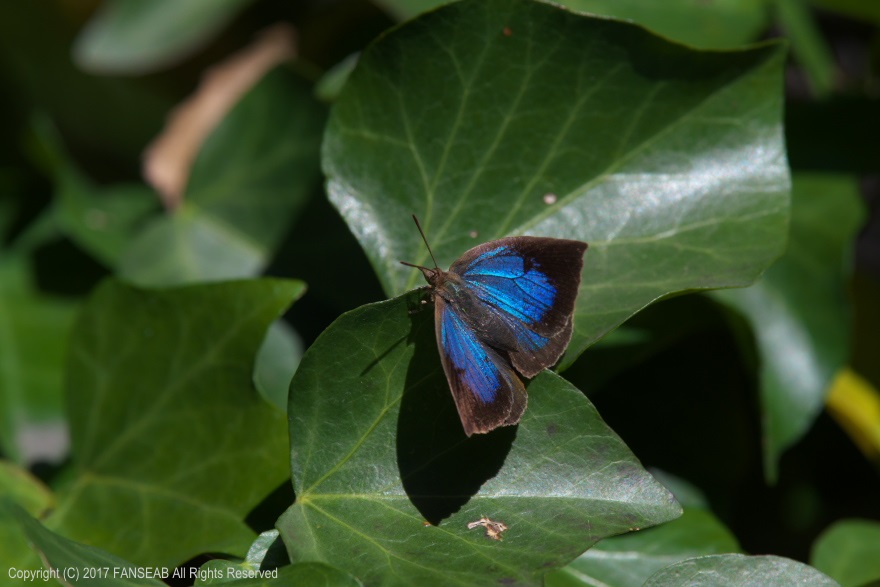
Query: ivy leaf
x=849, y=551
x=713, y=25
x=628, y=560
x=516, y=117
x=102, y=221
x=252, y=175
x=19, y=487
x=802, y=333
x=276, y=363
x=132, y=37
x=167, y=430
x=72, y=560
x=709, y=25
x=736, y=570
x=387, y=482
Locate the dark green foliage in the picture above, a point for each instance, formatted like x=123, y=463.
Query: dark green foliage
x=219, y=391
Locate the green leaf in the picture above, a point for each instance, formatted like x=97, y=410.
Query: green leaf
x=33, y=341
x=103, y=221
x=386, y=481
x=133, y=37
x=251, y=177
x=78, y=564
x=720, y=24
x=628, y=560
x=499, y=117
x=166, y=427
x=18, y=486
x=737, y=570
x=686, y=493
x=808, y=44
x=331, y=83
x=717, y=25
x=256, y=554
x=24, y=489
x=277, y=360
x=802, y=333
x=189, y=247
x=849, y=551
x=407, y=9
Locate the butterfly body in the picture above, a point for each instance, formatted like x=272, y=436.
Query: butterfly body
x=502, y=310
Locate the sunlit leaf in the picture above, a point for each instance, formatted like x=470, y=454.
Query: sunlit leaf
x=498, y=117
x=737, y=570
x=628, y=560
x=386, y=481
x=717, y=24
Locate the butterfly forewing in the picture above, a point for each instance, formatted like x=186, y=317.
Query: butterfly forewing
x=529, y=286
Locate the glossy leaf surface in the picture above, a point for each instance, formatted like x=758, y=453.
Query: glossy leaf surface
x=738, y=570
x=628, y=560
x=507, y=117
x=717, y=25
x=387, y=482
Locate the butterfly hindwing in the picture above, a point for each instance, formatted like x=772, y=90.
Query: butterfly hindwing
x=487, y=392
x=528, y=287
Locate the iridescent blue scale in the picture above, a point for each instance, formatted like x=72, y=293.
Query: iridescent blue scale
x=503, y=309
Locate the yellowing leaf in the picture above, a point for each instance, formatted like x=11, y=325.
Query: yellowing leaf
x=855, y=404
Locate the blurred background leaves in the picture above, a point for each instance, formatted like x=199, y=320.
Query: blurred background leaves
x=704, y=387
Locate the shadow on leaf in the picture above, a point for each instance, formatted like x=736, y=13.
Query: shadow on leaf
x=440, y=467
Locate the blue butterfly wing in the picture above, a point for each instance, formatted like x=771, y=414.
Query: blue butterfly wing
x=526, y=289
x=486, y=390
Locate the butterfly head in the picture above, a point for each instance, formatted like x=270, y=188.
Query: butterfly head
x=436, y=276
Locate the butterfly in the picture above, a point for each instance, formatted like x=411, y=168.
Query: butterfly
x=502, y=310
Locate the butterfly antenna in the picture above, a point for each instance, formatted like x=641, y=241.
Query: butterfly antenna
x=422, y=232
